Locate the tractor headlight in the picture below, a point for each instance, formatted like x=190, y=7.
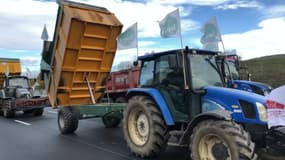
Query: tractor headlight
x=261, y=111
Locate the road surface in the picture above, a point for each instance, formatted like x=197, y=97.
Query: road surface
x=26, y=137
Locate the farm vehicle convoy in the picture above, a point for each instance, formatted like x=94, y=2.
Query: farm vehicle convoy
x=16, y=92
x=180, y=94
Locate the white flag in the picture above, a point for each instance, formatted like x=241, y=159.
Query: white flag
x=128, y=39
x=170, y=25
x=211, y=36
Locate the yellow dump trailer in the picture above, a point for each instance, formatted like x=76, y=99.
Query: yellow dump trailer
x=83, y=53
x=9, y=65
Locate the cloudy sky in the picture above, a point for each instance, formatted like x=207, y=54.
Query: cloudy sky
x=253, y=27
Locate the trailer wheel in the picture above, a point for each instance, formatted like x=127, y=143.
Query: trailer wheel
x=28, y=111
x=67, y=120
x=223, y=140
x=38, y=112
x=144, y=129
x=111, y=121
x=7, y=113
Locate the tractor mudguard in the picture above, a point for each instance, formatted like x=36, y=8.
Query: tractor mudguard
x=218, y=114
x=157, y=97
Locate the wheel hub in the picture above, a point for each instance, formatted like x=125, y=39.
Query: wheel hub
x=219, y=151
x=213, y=147
x=142, y=125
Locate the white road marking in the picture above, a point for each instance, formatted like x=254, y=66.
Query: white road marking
x=24, y=123
x=54, y=112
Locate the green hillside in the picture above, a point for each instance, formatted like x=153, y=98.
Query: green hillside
x=268, y=69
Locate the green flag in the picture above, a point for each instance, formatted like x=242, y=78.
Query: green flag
x=211, y=35
x=128, y=39
x=170, y=25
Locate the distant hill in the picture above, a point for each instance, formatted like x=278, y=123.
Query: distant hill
x=268, y=69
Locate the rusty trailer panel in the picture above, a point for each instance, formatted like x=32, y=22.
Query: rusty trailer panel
x=84, y=50
x=12, y=65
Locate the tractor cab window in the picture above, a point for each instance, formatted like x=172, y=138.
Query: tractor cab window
x=233, y=70
x=168, y=71
x=147, y=71
x=18, y=82
x=204, y=72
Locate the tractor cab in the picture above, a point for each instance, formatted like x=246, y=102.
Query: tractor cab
x=230, y=69
x=181, y=86
x=18, y=87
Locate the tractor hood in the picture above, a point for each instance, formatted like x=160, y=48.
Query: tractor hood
x=251, y=86
x=242, y=104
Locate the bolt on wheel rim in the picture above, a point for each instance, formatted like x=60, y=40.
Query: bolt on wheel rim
x=212, y=147
x=138, y=127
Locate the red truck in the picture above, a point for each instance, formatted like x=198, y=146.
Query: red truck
x=119, y=82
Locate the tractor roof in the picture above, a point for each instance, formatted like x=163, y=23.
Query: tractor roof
x=191, y=51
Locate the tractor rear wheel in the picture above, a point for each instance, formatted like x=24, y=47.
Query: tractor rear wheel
x=144, y=129
x=67, y=120
x=221, y=140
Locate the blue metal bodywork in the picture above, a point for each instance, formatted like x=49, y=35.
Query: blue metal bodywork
x=214, y=98
x=229, y=100
x=250, y=86
x=157, y=97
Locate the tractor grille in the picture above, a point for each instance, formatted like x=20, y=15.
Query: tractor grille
x=248, y=109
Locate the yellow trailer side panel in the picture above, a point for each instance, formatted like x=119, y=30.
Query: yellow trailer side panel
x=13, y=66
x=84, y=50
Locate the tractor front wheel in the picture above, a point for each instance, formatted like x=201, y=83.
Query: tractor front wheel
x=221, y=140
x=7, y=113
x=67, y=120
x=144, y=129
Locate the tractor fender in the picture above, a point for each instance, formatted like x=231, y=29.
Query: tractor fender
x=218, y=114
x=157, y=98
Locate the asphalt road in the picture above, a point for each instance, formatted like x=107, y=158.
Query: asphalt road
x=26, y=137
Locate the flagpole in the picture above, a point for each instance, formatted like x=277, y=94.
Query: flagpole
x=137, y=41
x=183, y=56
x=220, y=34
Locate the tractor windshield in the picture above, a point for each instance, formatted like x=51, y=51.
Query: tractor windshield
x=203, y=71
x=18, y=82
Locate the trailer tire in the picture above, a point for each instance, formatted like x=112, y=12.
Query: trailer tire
x=111, y=121
x=144, y=129
x=28, y=111
x=38, y=112
x=218, y=139
x=67, y=120
x=7, y=113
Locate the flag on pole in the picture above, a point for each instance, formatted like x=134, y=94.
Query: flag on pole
x=129, y=38
x=170, y=25
x=211, y=35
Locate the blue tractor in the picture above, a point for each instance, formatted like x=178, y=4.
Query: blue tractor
x=229, y=66
x=182, y=97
